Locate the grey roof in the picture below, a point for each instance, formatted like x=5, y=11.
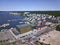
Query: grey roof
x=21, y=26
x=16, y=32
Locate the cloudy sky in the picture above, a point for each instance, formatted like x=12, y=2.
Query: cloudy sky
x=29, y=5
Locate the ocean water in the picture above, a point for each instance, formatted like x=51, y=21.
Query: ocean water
x=5, y=17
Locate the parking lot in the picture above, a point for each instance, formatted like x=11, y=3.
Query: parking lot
x=52, y=38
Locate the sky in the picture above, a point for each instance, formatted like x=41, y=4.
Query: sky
x=29, y=5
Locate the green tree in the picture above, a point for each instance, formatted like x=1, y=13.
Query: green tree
x=58, y=27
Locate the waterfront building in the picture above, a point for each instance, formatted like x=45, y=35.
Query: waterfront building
x=24, y=28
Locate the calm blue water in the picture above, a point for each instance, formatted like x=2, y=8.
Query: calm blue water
x=5, y=16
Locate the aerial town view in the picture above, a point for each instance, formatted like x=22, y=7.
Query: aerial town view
x=29, y=22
